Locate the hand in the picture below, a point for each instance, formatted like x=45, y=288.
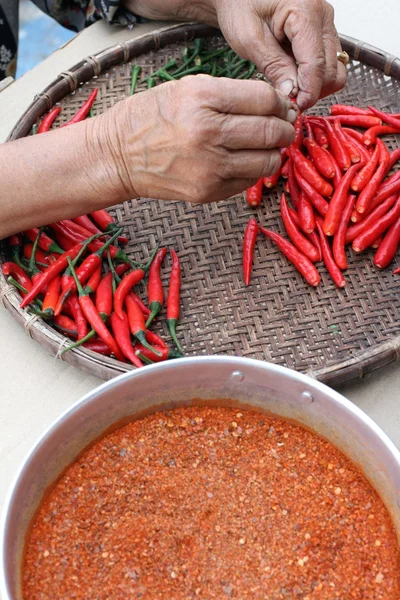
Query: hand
x=293, y=42
x=277, y=34
x=199, y=139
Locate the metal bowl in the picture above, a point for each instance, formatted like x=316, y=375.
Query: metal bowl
x=219, y=380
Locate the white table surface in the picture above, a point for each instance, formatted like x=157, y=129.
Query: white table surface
x=36, y=388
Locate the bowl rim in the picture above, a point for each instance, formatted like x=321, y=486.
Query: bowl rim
x=158, y=368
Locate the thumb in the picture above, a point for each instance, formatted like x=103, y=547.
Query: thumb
x=262, y=48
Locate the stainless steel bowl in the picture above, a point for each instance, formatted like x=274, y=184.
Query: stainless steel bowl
x=221, y=380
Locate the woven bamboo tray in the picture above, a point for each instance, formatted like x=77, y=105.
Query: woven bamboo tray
x=332, y=335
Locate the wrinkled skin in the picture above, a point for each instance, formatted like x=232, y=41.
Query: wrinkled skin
x=275, y=34
x=199, y=139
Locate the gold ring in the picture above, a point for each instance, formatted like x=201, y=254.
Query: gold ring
x=343, y=57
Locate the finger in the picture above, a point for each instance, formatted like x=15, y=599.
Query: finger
x=248, y=97
x=337, y=78
x=304, y=33
x=335, y=71
x=266, y=52
x=248, y=132
x=250, y=164
x=229, y=188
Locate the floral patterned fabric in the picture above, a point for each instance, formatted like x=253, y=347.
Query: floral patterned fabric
x=73, y=14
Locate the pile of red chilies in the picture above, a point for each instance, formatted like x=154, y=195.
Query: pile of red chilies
x=78, y=278
x=340, y=192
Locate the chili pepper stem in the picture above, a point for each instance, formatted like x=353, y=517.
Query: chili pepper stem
x=172, y=330
x=136, y=70
x=83, y=340
x=155, y=308
x=144, y=358
x=32, y=262
x=141, y=336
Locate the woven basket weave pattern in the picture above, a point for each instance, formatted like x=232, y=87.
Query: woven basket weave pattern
x=278, y=318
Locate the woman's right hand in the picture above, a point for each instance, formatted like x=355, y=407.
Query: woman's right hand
x=200, y=139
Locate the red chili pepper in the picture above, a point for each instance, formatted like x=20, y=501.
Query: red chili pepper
x=104, y=220
x=321, y=158
x=372, y=133
x=137, y=324
x=45, y=242
x=173, y=299
x=301, y=262
x=42, y=258
x=254, y=194
x=372, y=186
x=97, y=346
x=121, y=269
x=388, y=187
x=362, y=121
x=11, y=268
x=394, y=157
x=249, y=241
x=154, y=286
x=83, y=112
x=338, y=174
x=122, y=335
x=306, y=214
x=330, y=264
x=75, y=233
x=388, y=248
x=358, y=146
x=85, y=222
x=368, y=236
x=346, y=142
x=146, y=312
x=339, y=240
x=166, y=354
x=396, y=271
x=125, y=287
x=298, y=129
x=303, y=165
x=65, y=325
x=388, y=118
x=320, y=136
x=377, y=243
x=49, y=119
x=313, y=236
x=104, y=297
x=154, y=339
x=344, y=109
x=51, y=297
x=49, y=274
x=75, y=309
x=94, y=280
x=364, y=176
x=95, y=320
x=301, y=243
x=338, y=201
x=369, y=220
x=16, y=246
x=338, y=150
x=64, y=241
x=86, y=269
x=317, y=200
x=285, y=170
x=270, y=182
x=293, y=188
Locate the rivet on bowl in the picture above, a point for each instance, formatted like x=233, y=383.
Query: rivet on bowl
x=306, y=398
x=237, y=376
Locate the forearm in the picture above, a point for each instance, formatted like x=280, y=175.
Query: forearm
x=59, y=175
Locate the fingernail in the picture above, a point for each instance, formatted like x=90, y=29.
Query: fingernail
x=287, y=87
x=292, y=115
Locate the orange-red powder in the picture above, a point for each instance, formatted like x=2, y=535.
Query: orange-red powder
x=203, y=503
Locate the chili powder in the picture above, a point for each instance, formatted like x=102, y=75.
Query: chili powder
x=202, y=503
